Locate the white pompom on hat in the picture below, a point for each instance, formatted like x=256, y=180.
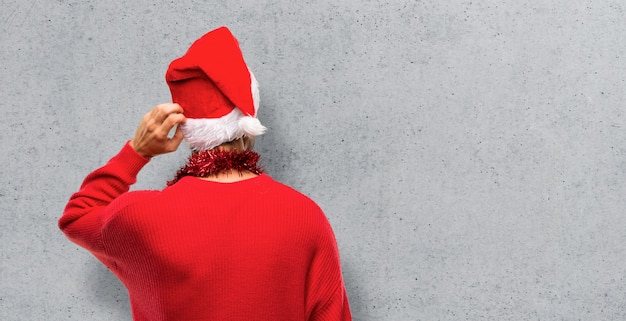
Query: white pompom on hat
x=217, y=91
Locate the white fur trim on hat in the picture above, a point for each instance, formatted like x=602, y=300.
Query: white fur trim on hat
x=206, y=133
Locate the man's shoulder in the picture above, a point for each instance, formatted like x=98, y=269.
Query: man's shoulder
x=290, y=194
x=288, y=188
x=132, y=199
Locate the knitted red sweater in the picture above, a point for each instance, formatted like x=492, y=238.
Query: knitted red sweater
x=200, y=250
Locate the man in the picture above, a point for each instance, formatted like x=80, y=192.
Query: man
x=223, y=241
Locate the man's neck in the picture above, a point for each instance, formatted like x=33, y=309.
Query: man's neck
x=230, y=177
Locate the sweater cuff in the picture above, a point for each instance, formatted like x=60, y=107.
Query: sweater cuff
x=134, y=161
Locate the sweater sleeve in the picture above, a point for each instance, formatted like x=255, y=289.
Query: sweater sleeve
x=83, y=217
x=328, y=299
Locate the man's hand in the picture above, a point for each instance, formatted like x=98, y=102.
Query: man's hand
x=151, y=138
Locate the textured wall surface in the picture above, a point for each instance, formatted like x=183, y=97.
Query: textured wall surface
x=471, y=155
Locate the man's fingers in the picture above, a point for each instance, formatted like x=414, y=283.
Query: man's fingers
x=170, y=121
x=173, y=142
x=178, y=135
x=163, y=111
x=151, y=137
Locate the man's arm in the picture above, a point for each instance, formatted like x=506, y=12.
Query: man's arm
x=327, y=299
x=83, y=217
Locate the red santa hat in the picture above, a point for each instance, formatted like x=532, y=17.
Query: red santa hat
x=217, y=91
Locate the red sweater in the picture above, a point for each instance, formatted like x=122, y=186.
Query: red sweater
x=200, y=250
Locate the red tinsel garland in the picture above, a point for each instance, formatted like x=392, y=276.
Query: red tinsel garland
x=211, y=162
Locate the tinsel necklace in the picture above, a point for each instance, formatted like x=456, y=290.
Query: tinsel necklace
x=211, y=162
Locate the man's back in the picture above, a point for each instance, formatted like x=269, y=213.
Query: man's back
x=201, y=250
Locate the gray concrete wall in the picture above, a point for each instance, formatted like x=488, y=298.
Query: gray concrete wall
x=469, y=154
